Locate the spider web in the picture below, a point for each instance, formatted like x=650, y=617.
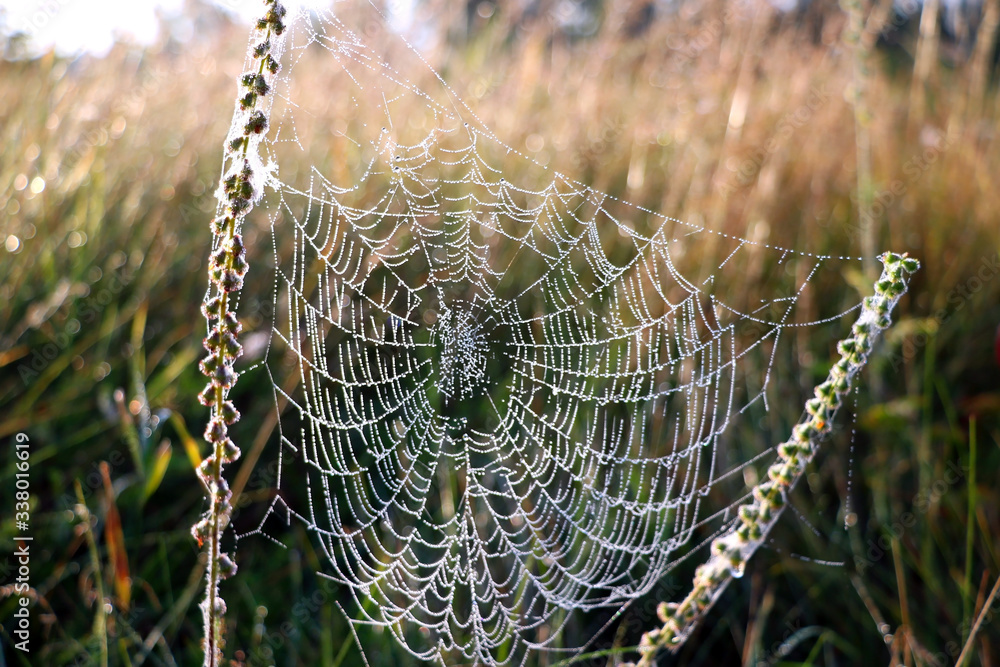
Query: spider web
x=503, y=394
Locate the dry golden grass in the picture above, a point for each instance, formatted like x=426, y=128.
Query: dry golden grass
x=735, y=116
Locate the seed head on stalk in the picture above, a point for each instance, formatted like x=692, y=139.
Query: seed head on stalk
x=731, y=551
x=237, y=194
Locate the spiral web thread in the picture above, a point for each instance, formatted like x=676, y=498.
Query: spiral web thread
x=504, y=394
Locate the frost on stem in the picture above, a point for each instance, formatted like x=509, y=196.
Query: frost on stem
x=730, y=552
x=238, y=190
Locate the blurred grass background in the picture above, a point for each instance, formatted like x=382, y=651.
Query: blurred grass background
x=800, y=128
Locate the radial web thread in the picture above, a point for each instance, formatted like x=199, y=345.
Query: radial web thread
x=505, y=395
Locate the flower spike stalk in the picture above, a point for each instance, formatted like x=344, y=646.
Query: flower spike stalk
x=731, y=551
x=242, y=180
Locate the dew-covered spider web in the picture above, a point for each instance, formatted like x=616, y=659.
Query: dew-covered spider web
x=506, y=399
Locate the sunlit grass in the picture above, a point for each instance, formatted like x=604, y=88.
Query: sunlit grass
x=734, y=120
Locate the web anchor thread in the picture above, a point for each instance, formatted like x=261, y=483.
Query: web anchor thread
x=731, y=551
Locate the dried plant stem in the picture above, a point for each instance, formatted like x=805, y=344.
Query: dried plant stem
x=860, y=47
x=100, y=618
x=928, y=45
x=980, y=65
x=984, y=613
x=731, y=551
x=240, y=187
